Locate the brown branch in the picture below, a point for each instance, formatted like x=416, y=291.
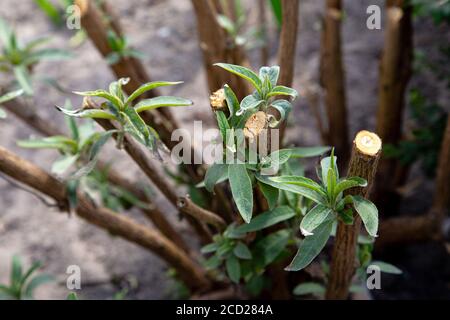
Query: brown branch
x=333, y=79
x=395, y=72
x=363, y=163
x=216, y=47
x=117, y=224
x=186, y=206
x=426, y=227
x=263, y=29
x=288, y=44
x=46, y=128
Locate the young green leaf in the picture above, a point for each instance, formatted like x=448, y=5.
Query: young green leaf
x=161, y=101
x=314, y=218
x=233, y=268
x=222, y=123
x=308, y=152
x=387, y=267
x=325, y=165
x=138, y=125
x=267, y=219
x=277, y=158
x=300, y=185
x=101, y=94
x=214, y=174
x=283, y=107
x=88, y=113
x=368, y=213
x=309, y=288
x=283, y=91
x=23, y=78
x=250, y=102
x=147, y=87
x=271, y=73
x=63, y=164
x=241, y=251
x=243, y=72
x=270, y=247
x=209, y=248
x=311, y=246
x=241, y=189
x=270, y=193
x=10, y=95
x=348, y=183
x=232, y=101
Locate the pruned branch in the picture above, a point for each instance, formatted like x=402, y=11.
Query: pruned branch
x=395, y=72
x=332, y=78
x=216, y=47
x=287, y=48
x=120, y=225
x=363, y=163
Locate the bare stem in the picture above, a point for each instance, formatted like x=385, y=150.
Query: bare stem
x=33, y=176
x=363, y=163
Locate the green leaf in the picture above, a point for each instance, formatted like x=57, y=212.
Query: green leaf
x=267, y=219
x=277, y=11
x=311, y=246
x=331, y=183
x=72, y=296
x=309, y=288
x=101, y=94
x=214, y=174
x=233, y=268
x=241, y=189
x=270, y=247
x=276, y=159
x=88, y=113
x=283, y=91
x=16, y=272
x=50, y=10
x=139, y=126
x=348, y=183
x=23, y=78
x=212, y=263
x=62, y=143
x=3, y=114
x=271, y=72
x=314, y=218
x=241, y=251
x=300, y=185
x=36, y=282
x=209, y=248
x=325, y=165
x=47, y=54
x=232, y=101
x=115, y=87
x=10, y=95
x=368, y=213
x=161, y=101
x=243, y=72
x=387, y=267
x=308, y=152
x=147, y=87
x=226, y=24
x=222, y=123
x=248, y=103
x=283, y=107
x=62, y=164
x=270, y=193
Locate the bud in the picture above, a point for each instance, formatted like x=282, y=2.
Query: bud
x=217, y=99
